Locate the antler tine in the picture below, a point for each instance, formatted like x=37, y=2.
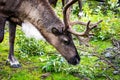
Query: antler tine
x=96, y=24
x=90, y=28
x=65, y=8
x=86, y=32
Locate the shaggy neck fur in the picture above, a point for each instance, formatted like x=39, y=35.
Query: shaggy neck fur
x=42, y=17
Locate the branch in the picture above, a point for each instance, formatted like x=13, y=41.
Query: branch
x=107, y=61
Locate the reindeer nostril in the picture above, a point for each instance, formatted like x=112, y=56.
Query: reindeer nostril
x=74, y=60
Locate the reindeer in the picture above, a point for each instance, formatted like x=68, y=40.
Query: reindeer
x=39, y=15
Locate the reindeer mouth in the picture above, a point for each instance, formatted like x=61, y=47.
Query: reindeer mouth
x=74, y=60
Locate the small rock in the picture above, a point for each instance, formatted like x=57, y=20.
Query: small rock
x=108, y=55
x=45, y=75
x=115, y=72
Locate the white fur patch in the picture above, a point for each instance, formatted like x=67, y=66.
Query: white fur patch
x=30, y=31
x=80, y=14
x=14, y=62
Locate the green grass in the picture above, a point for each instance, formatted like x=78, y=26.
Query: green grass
x=101, y=45
x=32, y=66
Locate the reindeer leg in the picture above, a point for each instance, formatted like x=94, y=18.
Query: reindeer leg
x=2, y=25
x=13, y=62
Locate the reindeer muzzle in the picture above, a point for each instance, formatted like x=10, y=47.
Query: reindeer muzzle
x=74, y=60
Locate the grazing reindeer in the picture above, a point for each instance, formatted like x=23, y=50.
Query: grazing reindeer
x=39, y=14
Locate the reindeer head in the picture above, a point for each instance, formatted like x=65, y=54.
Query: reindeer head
x=64, y=44
x=62, y=41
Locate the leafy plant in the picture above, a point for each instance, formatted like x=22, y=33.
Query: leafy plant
x=54, y=63
x=31, y=46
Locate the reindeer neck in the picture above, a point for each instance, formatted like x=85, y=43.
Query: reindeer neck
x=40, y=14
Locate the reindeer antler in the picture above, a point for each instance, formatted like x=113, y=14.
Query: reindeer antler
x=69, y=25
x=89, y=26
x=65, y=8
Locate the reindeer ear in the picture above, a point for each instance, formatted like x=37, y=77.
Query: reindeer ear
x=55, y=31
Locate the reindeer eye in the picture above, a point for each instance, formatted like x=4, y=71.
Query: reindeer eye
x=66, y=41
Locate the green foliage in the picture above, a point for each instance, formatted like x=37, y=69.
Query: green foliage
x=32, y=47
x=54, y=63
x=109, y=12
